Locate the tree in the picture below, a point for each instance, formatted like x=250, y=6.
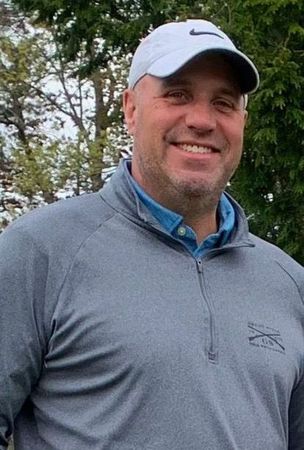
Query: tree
x=40, y=92
x=12, y=203
x=115, y=24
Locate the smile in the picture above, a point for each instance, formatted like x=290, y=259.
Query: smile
x=196, y=148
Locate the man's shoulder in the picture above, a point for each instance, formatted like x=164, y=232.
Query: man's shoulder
x=271, y=254
x=271, y=250
x=65, y=220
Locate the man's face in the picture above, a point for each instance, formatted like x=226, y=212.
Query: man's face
x=187, y=130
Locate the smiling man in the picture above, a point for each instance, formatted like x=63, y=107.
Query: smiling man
x=146, y=316
x=188, y=137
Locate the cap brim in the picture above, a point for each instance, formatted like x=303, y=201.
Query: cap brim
x=247, y=73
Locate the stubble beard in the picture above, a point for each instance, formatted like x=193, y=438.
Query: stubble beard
x=184, y=196
x=200, y=195
x=197, y=197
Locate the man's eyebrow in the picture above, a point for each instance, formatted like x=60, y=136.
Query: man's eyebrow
x=175, y=81
x=233, y=92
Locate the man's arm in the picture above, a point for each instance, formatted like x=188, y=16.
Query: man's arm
x=296, y=417
x=22, y=287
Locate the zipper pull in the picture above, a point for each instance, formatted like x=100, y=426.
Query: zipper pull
x=199, y=264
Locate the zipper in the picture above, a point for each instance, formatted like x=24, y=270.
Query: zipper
x=212, y=350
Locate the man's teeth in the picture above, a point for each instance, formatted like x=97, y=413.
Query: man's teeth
x=196, y=148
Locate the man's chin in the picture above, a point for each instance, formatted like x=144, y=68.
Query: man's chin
x=198, y=188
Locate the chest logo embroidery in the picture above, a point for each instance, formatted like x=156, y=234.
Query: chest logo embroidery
x=265, y=337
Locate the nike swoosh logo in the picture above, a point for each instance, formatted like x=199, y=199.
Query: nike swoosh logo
x=197, y=33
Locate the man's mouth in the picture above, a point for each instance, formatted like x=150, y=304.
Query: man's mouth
x=196, y=149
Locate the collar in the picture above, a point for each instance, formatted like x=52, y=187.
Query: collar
x=119, y=193
x=173, y=223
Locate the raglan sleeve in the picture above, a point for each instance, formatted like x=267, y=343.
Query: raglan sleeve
x=22, y=341
x=296, y=406
x=296, y=417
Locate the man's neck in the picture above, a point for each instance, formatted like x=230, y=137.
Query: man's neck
x=197, y=214
x=203, y=223
x=198, y=211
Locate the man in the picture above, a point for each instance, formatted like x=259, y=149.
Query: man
x=146, y=316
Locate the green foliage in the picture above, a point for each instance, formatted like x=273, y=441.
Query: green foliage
x=33, y=171
x=80, y=164
x=101, y=27
x=20, y=65
x=42, y=160
x=48, y=168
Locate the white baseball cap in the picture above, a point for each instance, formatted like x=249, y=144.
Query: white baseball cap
x=171, y=46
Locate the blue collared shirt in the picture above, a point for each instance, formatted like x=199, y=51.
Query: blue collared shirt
x=174, y=224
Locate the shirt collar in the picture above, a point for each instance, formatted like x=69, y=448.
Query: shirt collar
x=170, y=220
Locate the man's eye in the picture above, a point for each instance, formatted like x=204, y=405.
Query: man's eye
x=224, y=105
x=177, y=95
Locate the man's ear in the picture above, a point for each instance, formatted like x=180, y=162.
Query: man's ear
x=245, y=117
x=129, y=109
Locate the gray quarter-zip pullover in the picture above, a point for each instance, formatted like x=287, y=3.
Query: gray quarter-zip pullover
x=114, y=337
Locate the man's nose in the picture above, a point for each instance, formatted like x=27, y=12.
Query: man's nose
x=201, y=116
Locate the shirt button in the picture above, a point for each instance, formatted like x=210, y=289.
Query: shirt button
x=181, y=231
